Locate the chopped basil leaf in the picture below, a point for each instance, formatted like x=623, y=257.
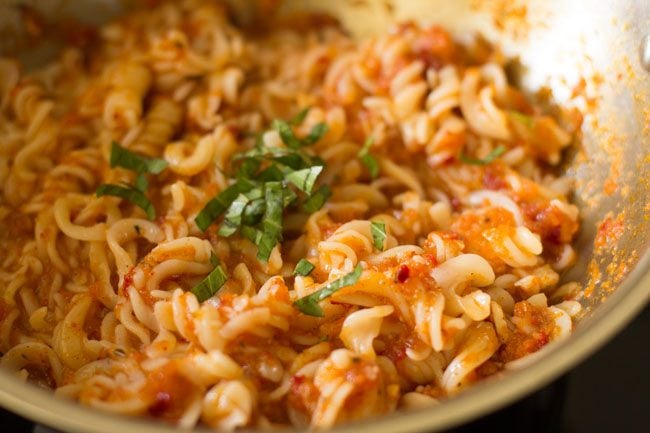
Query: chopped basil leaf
x=289, y=138
x=497, y=152
x=522, y=118
x=272, y=220
x=214, y=261
x=254, y=212
x=367, y=159
x=220, y=203
x=128, y=193
x=303, y=267
x=304, y=179
x=300, y=117
x=309, y=304
x=141, y=182
x=271, y=174
x=268, y=180
x=294, y=161
x=289, y=197
x=317, y=132
x=233, y=217
x=317, y=199
x=371, y=163
x=286, y=133
x=122, y=157
x=378, y=231
x=251, y=233
x=210, y=284
x=248, y=167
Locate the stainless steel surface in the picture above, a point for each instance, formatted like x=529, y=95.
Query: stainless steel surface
x=644, y=52
x=587, y=53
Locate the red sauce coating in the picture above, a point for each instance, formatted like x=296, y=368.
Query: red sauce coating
x=609, y=232
x=170, y=392
x=470, y=226
x=303, y=394
x=521, y=343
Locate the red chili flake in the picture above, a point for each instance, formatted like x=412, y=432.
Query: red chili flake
x=296, y=381
x=456, y=204
x=433, y=262
x=161, y=403
x=494, y=179
x=403, y=273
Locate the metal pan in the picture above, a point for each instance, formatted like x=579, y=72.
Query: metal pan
x=588, y=54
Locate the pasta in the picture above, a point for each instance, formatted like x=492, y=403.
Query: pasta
x=209, y=227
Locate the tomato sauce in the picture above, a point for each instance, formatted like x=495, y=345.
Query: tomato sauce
x=521, y=343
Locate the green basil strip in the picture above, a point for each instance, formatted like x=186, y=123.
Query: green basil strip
x=309, y=304
x=249, y=167
x=233, y=218
x=214, y=261
x=251, y=233
x=295, y=161
x=130, y=194
x=272, y=174
x=289, y=138
x=496, y=152
x=317, y=199
x=304, y=179
x=317, y=132
x=288, y=197
x=254, y=210
x=300, y=117
x=141, y=182
x=286, y=133
x=303, y=267
x=218, y=205
x=378, y=231
x=367, y=159
x=522, y=118
x=210, y=284
x=272, y=220
x=122, y=157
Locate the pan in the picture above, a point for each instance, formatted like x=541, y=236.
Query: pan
x=593, y=56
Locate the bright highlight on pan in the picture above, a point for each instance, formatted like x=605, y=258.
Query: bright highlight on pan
x=287, y=227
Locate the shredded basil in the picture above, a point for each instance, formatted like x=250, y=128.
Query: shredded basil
x=212, y=283
x=300, y=117
x=368, y=159
x=317, y=199
x=266, y=181
x=496, y=152
x=522, y=118
x=272, y=220
x=286, y=134
x=304, y=179
x=378, y=231
x=214, y=261
x=317, y=132
x=122, y=157
x=309, y=304
x=289, y=138
x=218, y=205
x=133, y=195
x=233, y=218
x=251, y=233
x=303, y=267
x=255, y=208
x=141, y=182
